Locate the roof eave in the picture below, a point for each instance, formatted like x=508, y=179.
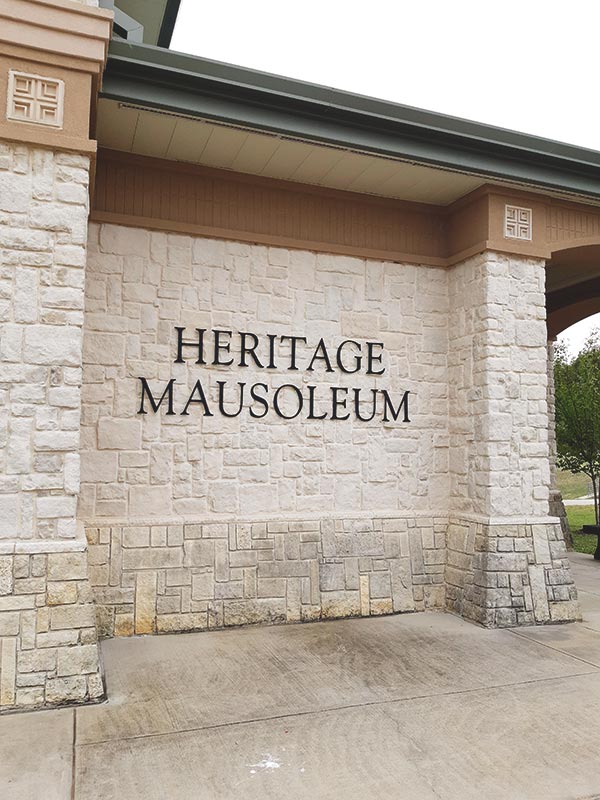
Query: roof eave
x=179, y=84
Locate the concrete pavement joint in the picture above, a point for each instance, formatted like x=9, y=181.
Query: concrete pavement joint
x=556, y=649
x=291, y=715
x=74, y=755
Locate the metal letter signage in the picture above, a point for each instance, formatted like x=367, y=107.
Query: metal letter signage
x=311, y=401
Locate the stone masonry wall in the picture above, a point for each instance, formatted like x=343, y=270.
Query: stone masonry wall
x=498, y=377
x=201, y=521
x=48, y=640
x=48, y=651
x=157, y=578
x=506, y=561
x=43, y=231
x=507, y=575
x=140, y=285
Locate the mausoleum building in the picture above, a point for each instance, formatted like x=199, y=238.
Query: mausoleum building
x=271, y=352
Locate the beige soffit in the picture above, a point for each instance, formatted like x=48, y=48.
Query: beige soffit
x=162, y=135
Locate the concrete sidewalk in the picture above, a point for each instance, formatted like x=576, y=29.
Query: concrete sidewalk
x=415, y=706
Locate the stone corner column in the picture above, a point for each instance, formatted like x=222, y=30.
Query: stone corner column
x=507, y=562
x=51, y=60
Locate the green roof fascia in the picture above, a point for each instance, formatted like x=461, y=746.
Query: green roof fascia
x=182, y=84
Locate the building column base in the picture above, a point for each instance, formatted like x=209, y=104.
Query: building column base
x=557, y=509
x=48, y=640
x=504, y=573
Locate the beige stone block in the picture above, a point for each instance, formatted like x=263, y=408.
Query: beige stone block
x=73, y=616
x=124, y=241
x=566, y=611
x=124, y=625
x=229, y=590
x=340, y=604
x=16, y=602
x=9, y=516
x=8, y=670
x=152, y=558
x=203, y=586
x=175, y=535
x=170, y=623
x=249, y=612
x=43, y=619
x=57, y=639
x=30, y=586
x=402, y=593
x=95, y=687
x=56, y=506
x=119, y=434
x=99, y=467
x=6, y=574
x=199, y=553
x=67, y=566
x=382, y=605
x=61, y=593
x=150, y=500
x=541, y=546
x=77, y=660
x=145, y=602
x=107, y=349
x=435, y=596
x=136, y=537
x=30, y=697
x=37, y=660
x=56, y=440
x=364, y=595
x=64, y=690
x=99, y=575
x=52, y=345
x=9, y=623
x=539, y=593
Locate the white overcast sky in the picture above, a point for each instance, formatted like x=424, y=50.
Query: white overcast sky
x=531, y=65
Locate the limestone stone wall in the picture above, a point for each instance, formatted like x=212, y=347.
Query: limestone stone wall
x=506, y=557
x=503, y=575
x=48, y=652
x=43, y=232
x=157, y=578
x=197, y=521
x=498, y=420
x=48, y=640
x=141, y=284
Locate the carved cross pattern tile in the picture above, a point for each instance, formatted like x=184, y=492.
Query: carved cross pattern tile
x=517, y=222
x=35, y=99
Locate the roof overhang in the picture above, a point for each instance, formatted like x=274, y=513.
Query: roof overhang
x=152, y=81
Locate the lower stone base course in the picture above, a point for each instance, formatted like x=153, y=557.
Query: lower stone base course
x=557, y=509
x=48, y=640
x=162, y=578
x=502, y=574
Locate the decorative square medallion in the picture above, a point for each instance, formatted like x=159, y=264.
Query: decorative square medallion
x=35, y=99
x=518, y=222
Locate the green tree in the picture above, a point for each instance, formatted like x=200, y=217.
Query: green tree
x=577, y=402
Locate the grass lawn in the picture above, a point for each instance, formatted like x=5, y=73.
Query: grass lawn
x=573, y=486
x=579, y=516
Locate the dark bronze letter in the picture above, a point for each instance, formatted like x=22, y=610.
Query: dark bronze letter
x=371, y=357
x=395, y=413
x=168, y=392
x=199, y=345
